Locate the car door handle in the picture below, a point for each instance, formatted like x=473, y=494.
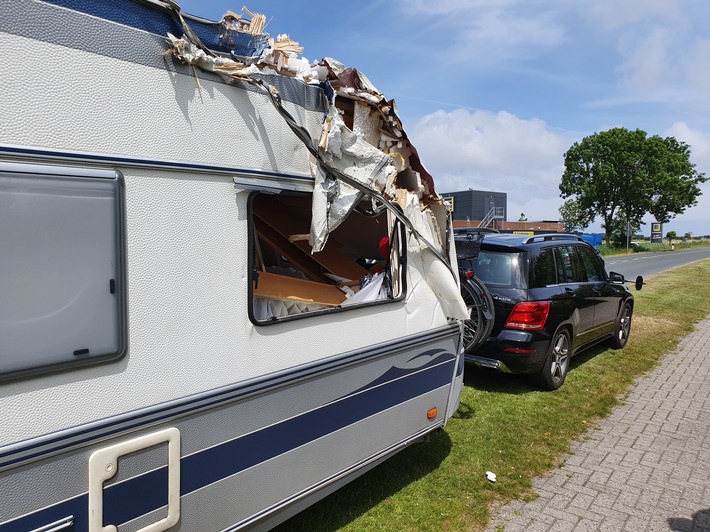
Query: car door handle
x=570, y=291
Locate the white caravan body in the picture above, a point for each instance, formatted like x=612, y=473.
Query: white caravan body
x=162, y=367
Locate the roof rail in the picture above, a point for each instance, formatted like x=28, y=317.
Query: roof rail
x=473, y=230
x=553, y=236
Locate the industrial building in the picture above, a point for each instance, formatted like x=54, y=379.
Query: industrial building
x=477, y=205
x=483, y=208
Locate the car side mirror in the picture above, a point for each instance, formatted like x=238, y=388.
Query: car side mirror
x=616, y=277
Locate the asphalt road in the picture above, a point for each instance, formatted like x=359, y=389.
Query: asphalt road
x=647, y=264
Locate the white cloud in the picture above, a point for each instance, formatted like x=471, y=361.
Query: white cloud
x=647, y=64
x=614, y=14
x=661, y=56
x=698, y=141
x=696, y=62
x=485, y=32
x=498, y=34
x=495, y=151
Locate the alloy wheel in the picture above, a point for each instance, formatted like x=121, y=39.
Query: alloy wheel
x=560, y=357
x=624, y=325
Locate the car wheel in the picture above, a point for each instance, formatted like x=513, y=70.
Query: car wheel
x=623, y=328
x=472, y=326
x=554, y=372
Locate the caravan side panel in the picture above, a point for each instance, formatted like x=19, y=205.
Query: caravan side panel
x=268, y=416
x=244, y=446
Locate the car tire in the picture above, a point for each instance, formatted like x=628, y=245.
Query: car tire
x=479, y=305
x=622, y=329
x=471, y=326
x=554, y=371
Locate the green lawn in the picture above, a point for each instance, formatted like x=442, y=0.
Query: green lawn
x=506, y=426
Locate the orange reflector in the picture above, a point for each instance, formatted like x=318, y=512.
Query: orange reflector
x=431, y=414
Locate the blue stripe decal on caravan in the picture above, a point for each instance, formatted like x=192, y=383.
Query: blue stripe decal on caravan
x=146, y=18
x=136, y=33
x=133, y=14
x=142, y=494
x=72, y=438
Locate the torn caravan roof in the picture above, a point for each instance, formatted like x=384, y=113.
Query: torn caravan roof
x=362, y=152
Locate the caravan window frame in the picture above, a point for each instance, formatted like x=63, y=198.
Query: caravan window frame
x=72, y=272
x=398, y=272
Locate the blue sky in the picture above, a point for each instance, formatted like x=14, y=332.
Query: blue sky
x=493, y=92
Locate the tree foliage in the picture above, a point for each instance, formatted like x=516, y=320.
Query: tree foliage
x=574, y=218
x=621, y=173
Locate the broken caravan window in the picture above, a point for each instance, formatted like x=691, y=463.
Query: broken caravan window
x=362, y=262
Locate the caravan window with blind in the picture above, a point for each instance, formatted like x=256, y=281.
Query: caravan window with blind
x=61, y=267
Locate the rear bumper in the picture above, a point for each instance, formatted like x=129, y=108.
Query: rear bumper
x=512, y=352
x=484, y=362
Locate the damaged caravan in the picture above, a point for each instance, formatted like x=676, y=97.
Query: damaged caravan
x=226, y=277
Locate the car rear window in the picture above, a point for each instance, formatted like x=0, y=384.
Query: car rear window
x=500, y=269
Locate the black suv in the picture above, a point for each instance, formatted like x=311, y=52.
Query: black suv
x=551, y=297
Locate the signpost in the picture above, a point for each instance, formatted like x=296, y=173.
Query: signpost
x=449, y=202
x=656, y=233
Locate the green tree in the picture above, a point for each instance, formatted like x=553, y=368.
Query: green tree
x=621, y=173
x=671, y=236
x=574, y=218
x=622, y=230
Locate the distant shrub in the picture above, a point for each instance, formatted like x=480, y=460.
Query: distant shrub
x=647, y=246
x=610, y=250
x=605, y=250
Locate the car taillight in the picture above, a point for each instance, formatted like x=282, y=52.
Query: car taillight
x=528, y=315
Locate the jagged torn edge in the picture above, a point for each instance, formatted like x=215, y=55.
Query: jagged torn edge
x=305, y=138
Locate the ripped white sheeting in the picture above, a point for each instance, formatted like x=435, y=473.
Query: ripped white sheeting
x=193, y=55
x=436, y=273
x=371, y=292
x=444, y=286
x=423, y=221
x=333, y=199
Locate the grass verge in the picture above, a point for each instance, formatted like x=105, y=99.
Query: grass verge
x=647, y=247
x=506, y=426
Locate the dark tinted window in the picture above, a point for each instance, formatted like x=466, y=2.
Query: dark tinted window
x=504, y=270
x=570, y=267
x=592, y=265
x=542, y=269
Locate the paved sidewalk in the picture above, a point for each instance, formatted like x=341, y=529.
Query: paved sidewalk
x=646, y=469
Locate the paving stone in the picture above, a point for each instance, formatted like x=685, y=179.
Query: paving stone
x=582, y=501
x=644, y=468
x=612, y=525
x=563, y=526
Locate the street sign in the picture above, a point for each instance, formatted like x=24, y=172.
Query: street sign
x=656, y=233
